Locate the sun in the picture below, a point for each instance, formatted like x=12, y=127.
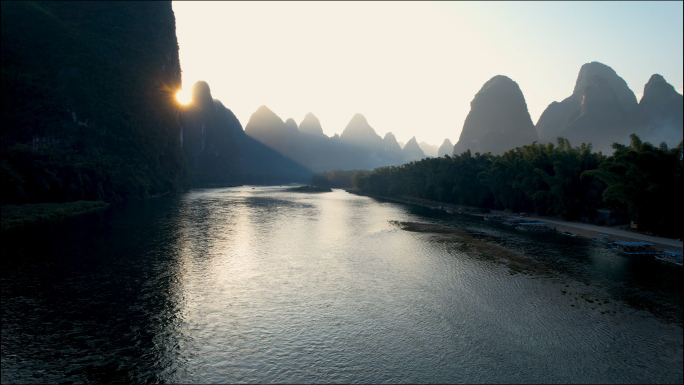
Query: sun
x=184, y=97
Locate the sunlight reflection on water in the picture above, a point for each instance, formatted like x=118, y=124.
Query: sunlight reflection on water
x=264, y=285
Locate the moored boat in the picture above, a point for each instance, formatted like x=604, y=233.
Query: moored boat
x=534, y=226
x=493, y=217
x=643, y=249
x=514, y=221
x=671, y=256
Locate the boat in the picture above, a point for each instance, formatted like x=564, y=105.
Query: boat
x=603, y=238
x=493, y=217
x=569, y=234
x=514, y=221
x=643, y=249
x=671, y=256
x=533, y=226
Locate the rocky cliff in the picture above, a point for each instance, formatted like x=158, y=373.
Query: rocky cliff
x=498, y=119
x=88, y=106
x=659, y=116
x=596, y=111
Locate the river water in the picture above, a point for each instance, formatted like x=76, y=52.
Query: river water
x=260, y=285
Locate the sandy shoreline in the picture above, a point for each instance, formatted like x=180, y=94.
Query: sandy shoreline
x=615, y=233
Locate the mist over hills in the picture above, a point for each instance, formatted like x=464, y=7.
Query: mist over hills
x=659, y=116
x=430, y=150
x=358, y=147
x=89, y=112
x=445, y=149
x=219, y=152
x=602, y=110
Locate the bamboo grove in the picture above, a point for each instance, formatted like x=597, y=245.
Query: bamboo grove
x=640, y=179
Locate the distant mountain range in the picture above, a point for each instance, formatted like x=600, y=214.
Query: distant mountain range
x=358, y=147
x=88, y=113
x=218, y=151
x=601, y=110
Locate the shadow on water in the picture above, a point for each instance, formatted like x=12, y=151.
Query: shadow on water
x=91, y=299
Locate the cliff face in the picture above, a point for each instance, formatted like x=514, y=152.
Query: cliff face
x=603, y=110
x=498, y=119
x=600, y=118
x=88, y=101
x=596, y=112
x=659, y=116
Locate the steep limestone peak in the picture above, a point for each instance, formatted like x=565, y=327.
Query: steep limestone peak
x=359, y=132
x=291, y=126
x=201, y=93
x=412, y=150
x=446, y=148
x=311, y=125
x=262, y=121
x=625, y=96
x=498, y=119
x=658, y=88
x=389, y=137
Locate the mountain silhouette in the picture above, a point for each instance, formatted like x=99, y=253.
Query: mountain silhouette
x=446, y=148
x=596, y=112
x=359, y=133
x=659, y=116
x=412, y=151
x=89, y=88
x=311, y=125
x=429, y=149
x=219, y=152
x=498, y=119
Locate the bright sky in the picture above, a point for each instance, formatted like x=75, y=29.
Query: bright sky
x=413, y=68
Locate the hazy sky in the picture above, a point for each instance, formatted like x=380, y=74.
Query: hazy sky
x=413, y=68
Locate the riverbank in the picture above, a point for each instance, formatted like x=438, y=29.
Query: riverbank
x=31, y=214
x=615, y=233
x=475, y=247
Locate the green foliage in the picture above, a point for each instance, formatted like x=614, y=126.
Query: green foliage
x=311, y=189
x=551, y=180
x=647, y=181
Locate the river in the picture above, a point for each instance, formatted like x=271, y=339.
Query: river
x=256, y=284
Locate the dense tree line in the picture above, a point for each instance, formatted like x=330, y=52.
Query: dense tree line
x=572, y=182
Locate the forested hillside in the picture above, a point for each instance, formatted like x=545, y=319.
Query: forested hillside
x=88, y=106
